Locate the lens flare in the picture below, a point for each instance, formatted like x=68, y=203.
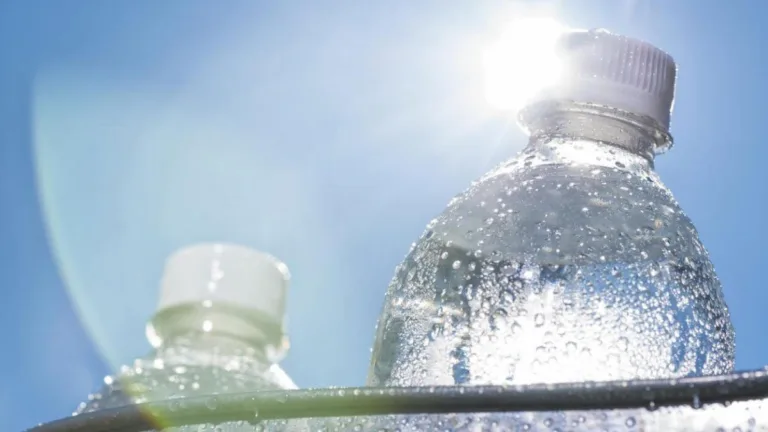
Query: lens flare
x=522, y=62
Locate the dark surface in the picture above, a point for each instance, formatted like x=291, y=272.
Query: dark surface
x=651, y=394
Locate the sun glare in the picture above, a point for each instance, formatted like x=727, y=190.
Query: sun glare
x=522, y=62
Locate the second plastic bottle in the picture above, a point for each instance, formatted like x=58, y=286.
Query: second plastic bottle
x=218, y=329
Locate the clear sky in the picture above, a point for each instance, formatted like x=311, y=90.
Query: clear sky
x=327, y=133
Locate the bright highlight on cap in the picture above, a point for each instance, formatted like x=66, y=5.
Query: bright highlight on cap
x=522, y=62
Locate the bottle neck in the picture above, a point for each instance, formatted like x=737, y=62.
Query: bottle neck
x=548, y=121
x=208, y=331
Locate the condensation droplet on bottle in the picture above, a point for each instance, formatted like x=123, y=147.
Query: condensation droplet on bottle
x=696, y=402
x=623, y=343
x=212, y=403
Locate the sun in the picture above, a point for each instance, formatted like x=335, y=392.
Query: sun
x=522, y=62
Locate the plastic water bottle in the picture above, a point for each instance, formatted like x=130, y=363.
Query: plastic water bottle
x=570, y=262
x=219, y=328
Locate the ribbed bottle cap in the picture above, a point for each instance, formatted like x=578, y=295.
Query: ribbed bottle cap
x=616, y=71
x=232, y=274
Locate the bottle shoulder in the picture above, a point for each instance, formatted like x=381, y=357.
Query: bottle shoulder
x=173, y=373
x=561, y=211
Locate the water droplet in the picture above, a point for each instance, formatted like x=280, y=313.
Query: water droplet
x=630, y=422
x=623, y=343
x=696, y=402
x=435, y=331
x=507, y=296
x=207, y=326
x=212, y=402
x=456, y=264
x=539, y=319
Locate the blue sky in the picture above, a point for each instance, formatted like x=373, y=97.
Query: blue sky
x=327, y=134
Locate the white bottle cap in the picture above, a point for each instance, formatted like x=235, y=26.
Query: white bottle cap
x=616, y=71
x=226, y=273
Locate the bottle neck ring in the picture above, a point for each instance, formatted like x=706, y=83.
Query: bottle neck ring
x=640, y=135
x=218, y=325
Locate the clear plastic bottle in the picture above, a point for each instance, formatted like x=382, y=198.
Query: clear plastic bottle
x=219, y=328
x=572, y=261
